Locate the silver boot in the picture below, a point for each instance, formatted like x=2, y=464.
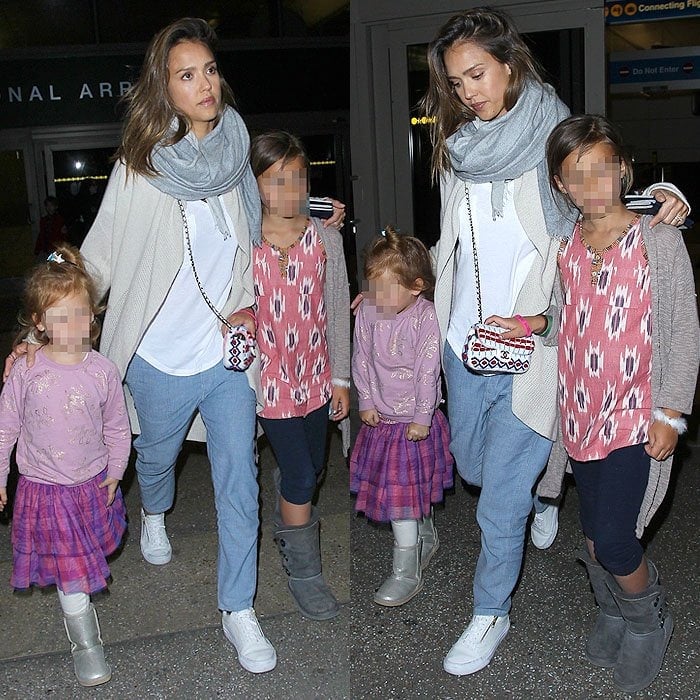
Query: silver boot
x=406, y=579
x=429, y=539
x=86, y=648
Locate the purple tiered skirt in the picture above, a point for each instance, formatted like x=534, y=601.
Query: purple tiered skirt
x=62, y=535
x=397, y=479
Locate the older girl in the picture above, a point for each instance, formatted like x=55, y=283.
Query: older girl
x=303, y=317
x=628, y=360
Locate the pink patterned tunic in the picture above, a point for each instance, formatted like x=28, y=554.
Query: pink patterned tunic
x=295, y=367
x=605, y=348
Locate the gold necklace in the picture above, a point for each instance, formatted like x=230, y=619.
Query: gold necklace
x=598, y=253
x=283, y=252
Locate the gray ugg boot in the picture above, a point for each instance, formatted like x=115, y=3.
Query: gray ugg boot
x=406, y=579
x=86, y=648
x=299, y=547
x=430, y=542
x=648, y=632
x=603, y=644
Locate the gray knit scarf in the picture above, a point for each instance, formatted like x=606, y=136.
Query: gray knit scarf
x=510, y=145
x=193, y=169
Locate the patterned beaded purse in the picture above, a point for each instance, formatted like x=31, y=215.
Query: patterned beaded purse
x=485, y=351
x=239, y=344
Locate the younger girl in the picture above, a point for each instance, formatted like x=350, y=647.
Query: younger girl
x=628, y=360
x=303, y=333
x=67, y=415
x=401, y=461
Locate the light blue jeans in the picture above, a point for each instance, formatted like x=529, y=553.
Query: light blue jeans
x=500, y=454
x=165, y=405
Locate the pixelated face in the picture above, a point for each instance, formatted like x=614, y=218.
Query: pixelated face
x=478, y=79
x=67, y=324
x=388, y=295
x=194, y=84
x=284, y=188
x=592, y=180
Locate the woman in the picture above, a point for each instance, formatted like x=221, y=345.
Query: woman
x=158, y=328
x=493, y=116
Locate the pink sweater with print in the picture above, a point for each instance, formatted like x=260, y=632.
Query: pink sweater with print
x=396, y=362
x=69, y=421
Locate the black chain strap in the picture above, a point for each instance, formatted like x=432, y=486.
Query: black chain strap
x=476, y=257
x=194, y=269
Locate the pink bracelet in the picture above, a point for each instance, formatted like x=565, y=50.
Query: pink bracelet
x=524, y=324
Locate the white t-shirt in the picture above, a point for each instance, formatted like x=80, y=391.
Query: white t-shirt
x=505, y=256
x=185, y=336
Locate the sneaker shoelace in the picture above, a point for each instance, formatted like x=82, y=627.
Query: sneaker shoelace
x=156, y=532
x=248, y=626
x=540, y=519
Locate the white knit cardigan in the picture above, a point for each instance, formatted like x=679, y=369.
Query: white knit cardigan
x=535, y=392
x=135, y=249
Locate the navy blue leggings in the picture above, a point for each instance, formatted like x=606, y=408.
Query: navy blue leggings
x=299, y=445
x=610, y=494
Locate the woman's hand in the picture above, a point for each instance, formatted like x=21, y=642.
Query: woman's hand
x=337, y=218
x=23, y=348
x=3, y=498
x=111, y=484
x=370, y=417
x=340, y=403
x=515, y=329
x=415, y=432
x=242, y=317
x=673, y=211
x=355, y=304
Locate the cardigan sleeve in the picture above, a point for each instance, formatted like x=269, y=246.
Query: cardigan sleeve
x=337, y=299
x=678, y=380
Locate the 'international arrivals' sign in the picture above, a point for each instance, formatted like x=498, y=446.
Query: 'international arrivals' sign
x=75, y=90
x=59, y=90
x=617, y=12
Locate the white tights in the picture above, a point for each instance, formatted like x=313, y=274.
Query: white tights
x=73, y=603
x=405, y=532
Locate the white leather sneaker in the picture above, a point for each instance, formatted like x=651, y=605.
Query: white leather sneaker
x=155, y=545
x=545, y=526
x=477, y=645
x=242, y=629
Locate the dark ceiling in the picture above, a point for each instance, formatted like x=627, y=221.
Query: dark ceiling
x=43, y=23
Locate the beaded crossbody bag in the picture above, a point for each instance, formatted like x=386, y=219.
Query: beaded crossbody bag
x=485, y=350
x=239, y=344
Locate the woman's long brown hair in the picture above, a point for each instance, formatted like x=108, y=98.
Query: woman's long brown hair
x=150, y=110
